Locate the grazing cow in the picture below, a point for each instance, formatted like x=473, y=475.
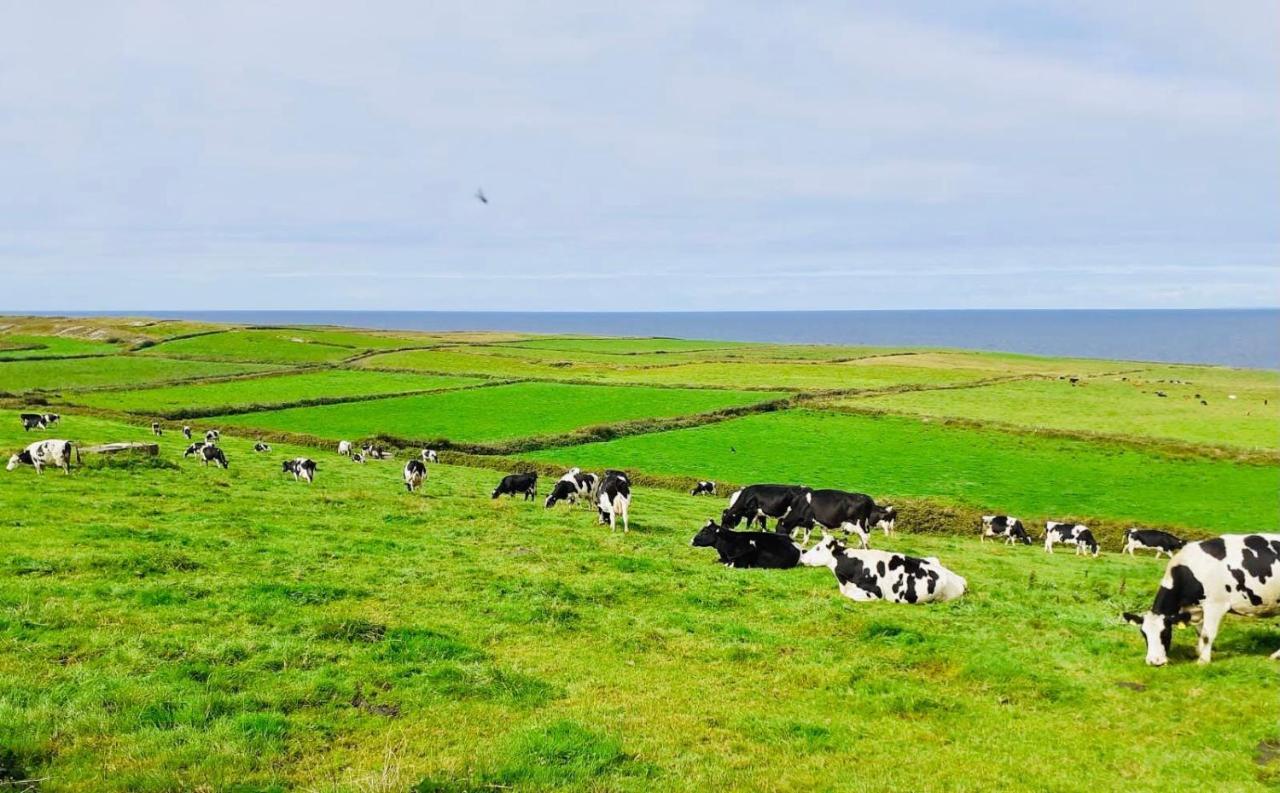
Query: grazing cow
x=571, y=486
x=415, y=471
x=1153, y=539
x=430, y=456
x=1076, y=534
x=1006, y=526
x=1234, y=573
x=186, y=431
x=194, y=448
x=210, y=453
x=50, y=418
x=518, y=483
x=885, y=517
x=757, y=502
x=358, y=457
x=831, y=509
x=880, y=575
x=344, y=447
x=261, y=447
x=703, y=488
x=155, y=428
x=212, y=436
x=301, y=468
x=742, y=549
x=375, y=453
x=613, y=499
x=33, y=421
x=42, y=453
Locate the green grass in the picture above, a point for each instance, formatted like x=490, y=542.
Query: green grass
x=22, y=376
x=164, y=626
x=280, y=345
x=18, y=346
x=492, y=414
x=1005, y=472
x=250, y=394
x=620, y=346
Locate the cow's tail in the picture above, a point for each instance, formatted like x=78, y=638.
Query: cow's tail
x=74, y=446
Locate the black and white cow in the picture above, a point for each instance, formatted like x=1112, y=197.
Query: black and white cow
x=572, y=486
x=194, y=448
x=41, y=453
x=301, y=467
x=415, y=472
x=1076, y=534
x=880, y=575
x=212, y=436
x=372, y=452
x=1152, y=539
x=1005, y=526
x=430, y=456
x=358, y=457
x=156, y=429
x=703, y=488
x=518, y=483
x=758, y=502
x=831, y=509
x=1205, y=581
x=186, y=431
x=613, y=499
x=344, y=448
x=261, y=447
x=50, y=418
x=748, y=548
x=885, y=517
x=33, y=421
x=210, y=453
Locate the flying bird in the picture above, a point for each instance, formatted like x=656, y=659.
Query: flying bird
x=481, y=196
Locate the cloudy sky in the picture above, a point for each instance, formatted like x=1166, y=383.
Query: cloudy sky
x=639, y=156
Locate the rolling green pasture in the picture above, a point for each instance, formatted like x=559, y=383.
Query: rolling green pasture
x=262, y=392
x=18, y=346
x=279, y=345
x=625, y=346
x=493, y=414
x=164, y=627
x=454, y=360
x=18, y=377
x=1006, y=472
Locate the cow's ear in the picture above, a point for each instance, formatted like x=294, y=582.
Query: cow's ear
x=1136, y=619
x=1182, y=618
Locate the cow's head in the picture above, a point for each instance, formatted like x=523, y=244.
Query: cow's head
x=561, y=490
x=14, y=462
x=1157, y=630
x=824, y=553
x=706, y=536
x=287, y=466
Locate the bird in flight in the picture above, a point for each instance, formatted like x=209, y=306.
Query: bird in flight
x=481, y=196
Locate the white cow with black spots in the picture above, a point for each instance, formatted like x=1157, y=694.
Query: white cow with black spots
x=41, y=453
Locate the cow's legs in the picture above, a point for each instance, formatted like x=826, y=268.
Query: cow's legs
x=1210, y=620
x=626, y=524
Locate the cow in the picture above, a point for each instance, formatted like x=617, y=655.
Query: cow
x=50, y=418
x=703, y=488
x=155, y=428
x=831, y=509
x=32, y=421
x=186, y=431
x=372, y=452
x=358, y=457
x=1153, y=539
x=1206, y=580
x=880, y=575
x=885, y=517
x=1076, y=534
x=194, y=448
x=741, y=549
x=415, y=471
x=210, y=453
x=757, y=502
x=261, y=447
x=430, y=456
x=344, y=448
x=301, y=468
x=518, y=483
x=571, y=486
x=41, y=453
x=1006, y=526
x=212, y=436
x=613, y=499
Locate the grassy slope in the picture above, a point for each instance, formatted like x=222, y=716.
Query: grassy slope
x=22, y=376
x=897, y=457
x=490, y=414
x=18, y=346
x=168, y=629
x=279, y=345
x=623, y=346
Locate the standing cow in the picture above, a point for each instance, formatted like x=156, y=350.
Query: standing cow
x=155, y=428
x=572, y=486
x=1076, y=534
x=879, y=575
x=303, y=468
x=430, y=456
x=32, y=421
x=758, y=502
x=42, y=453
x=1153, y=539
x=518, y=483
x=415, y=472
x=186, y=431
x=613, y=499
x=831, y=509
x=344, y=448
x=703, y=488
x=1005, y=526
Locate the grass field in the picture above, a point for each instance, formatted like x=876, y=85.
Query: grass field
x=280, y=345
x=18, y=377
x=19, y=346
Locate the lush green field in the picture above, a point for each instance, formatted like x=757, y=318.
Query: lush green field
x=280, y=345
x=625, y=346
x=18, y=377
x=255, y=393
x=493, y=414
x=19, y=346
x=169, y=627
x=1005, y=472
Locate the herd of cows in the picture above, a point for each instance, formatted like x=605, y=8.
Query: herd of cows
x=1202, y=583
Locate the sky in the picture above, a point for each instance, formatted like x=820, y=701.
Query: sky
x=640, y=156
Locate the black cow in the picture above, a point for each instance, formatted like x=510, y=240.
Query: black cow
x=186, y=431
x=518, y=483
x=613, y=499
x=703, y=488
x=1153, y=539
x=741, y=549
x=885, y=517
x=415, y=472
x=1005, y=526
x=212, y=436
x=301, y=468
x=50, y=418
x=210, y=453
x=757, y=502
x=573, y=485
x=155, y=428
x=32, y=421
x=831, y=509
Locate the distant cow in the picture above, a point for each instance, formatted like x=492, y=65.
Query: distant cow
x=1152, y=539
x=430, y=456
x=518, y=483
x=33, y=421
x=357, y=458
x=1203, y=582
x=1076, y=534
x=831, y=509
x=301, y=467
x=757, y=502
x=212, y=436
x=748, y=548
x=703, y=488
x=50, y=418
x=879, y=575
x=155, y=428
x=570, y=487
x=261, y=447
x=194, y=448
x=613, y=499
x=415, y=471
x=186, y=431
x=210, y=453
x=41, y=453
x=344, y=447
x=1005, y=526
x=885, y=517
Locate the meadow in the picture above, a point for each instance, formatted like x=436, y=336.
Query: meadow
x=17, y=346
x=166, y=626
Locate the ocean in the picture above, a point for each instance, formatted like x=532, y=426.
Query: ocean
x=1233, y=337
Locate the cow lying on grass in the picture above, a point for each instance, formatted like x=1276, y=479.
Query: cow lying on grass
x=881, y=575
x=741, y=549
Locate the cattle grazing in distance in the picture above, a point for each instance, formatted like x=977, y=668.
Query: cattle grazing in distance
x=415, y=471
x=831, y=509
x=758, y=502
x=742, y=549
x=1076, y=534
x=194, y=448
x=372, y=452
x=186, y=431
x=613, y=499
x=261, y=447
x=210, y=453
x=358, y=457
x=572, y=486
x=155, y=428
x=1151, y=539
x=1205, y=581
x=301, y=467
x=33, y=421
x=344, y=448
x=518, y=483
x=50, y=418
x=212, y=436
x=885, y=518
x=703, y=488
x=41, y=453
x=880, y=575
x=1005, y=526
x=430, y=456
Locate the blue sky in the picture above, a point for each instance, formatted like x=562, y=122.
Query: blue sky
x=640, y=156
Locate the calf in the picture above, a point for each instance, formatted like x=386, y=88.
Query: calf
x=32, y=421
x=344, y=447
x=212, y=436
x=757, y=502
x=430, y=456
x=186, y=431
x=1235, y=573
x=261, y=447
x=415, y=471
x=1076, y=534
x=740, y=549
x=703, y=488
x=301, y=468
x=571, y=486
x=210, y=453
x=831, y=509
x=1008, y=527
x=880, y=575
x=155, y=428
x=613, y=499
x=518, y=483
x=885, y=517
x=42, y=453
x=1158, y=541
x=194, y=448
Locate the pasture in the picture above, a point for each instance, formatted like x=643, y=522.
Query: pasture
x=19, y=346
x=20, y=377
x=280, y=345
